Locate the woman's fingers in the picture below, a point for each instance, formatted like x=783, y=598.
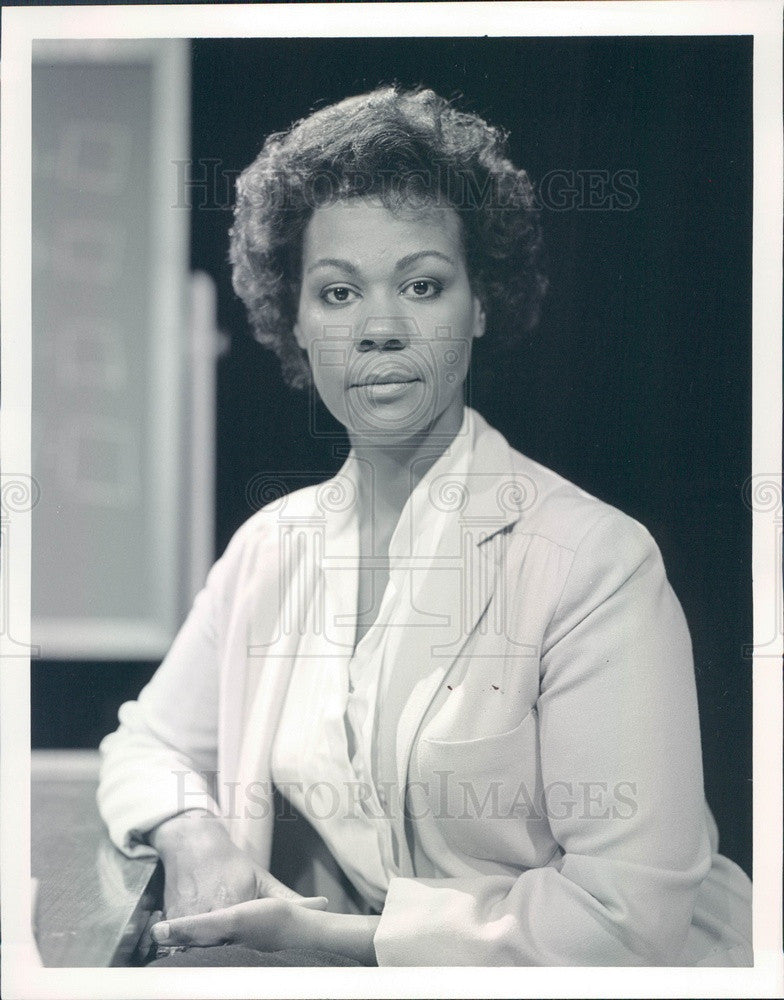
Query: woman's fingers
x=203, y=930
x=271, y=888
x=264, y=924
x=312, y=902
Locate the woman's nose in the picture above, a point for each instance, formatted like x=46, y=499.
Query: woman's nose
x=385, y=334
x=383, y=343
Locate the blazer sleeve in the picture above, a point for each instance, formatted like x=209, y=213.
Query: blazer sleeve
x=619, y=728
x=158, y=762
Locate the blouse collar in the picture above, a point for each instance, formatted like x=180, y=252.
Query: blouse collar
x=432, y=500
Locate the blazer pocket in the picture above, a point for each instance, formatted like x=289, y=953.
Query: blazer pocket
x=486, y=794
x=484, y=753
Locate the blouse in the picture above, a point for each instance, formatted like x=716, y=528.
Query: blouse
x=325, y=754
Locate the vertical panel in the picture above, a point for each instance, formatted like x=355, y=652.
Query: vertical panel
x=109, y=337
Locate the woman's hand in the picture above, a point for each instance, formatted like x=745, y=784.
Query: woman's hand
x=272, y=925
x=205, y=871
x=263, y=924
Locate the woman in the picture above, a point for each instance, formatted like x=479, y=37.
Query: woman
x=471, y=677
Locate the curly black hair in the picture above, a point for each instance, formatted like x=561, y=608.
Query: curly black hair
x=398, y=145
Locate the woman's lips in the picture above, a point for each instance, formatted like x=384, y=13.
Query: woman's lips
x=384, y=377
x=387, y=390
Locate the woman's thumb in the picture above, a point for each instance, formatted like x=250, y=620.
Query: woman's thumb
x=313, y=902
x=270, y=887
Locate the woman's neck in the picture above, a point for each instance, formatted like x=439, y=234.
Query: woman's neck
x=398, y=466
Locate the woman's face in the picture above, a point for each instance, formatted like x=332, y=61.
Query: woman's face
x=387, y=316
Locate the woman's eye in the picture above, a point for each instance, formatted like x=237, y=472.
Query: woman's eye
x=338, y=295
x=422, y=288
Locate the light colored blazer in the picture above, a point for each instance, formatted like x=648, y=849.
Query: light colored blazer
x=561, y=695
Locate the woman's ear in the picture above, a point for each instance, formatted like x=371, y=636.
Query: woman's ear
x=298, y=336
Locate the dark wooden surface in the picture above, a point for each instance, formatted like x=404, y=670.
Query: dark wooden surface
x=93, y=903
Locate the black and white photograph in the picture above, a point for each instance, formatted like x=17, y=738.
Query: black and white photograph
x=391, y=498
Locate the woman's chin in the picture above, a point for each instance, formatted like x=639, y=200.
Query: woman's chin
x=391, y=411
x=372, y=419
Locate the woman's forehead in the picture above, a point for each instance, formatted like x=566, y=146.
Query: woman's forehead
x=368, y=224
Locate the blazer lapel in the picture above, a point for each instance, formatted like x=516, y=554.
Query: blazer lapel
x=273, y=636
x=450, y=603
x=450, y=592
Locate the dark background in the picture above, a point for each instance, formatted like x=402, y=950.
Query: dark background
x=636, y=384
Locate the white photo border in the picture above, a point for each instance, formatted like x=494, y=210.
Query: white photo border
x=22, y=976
